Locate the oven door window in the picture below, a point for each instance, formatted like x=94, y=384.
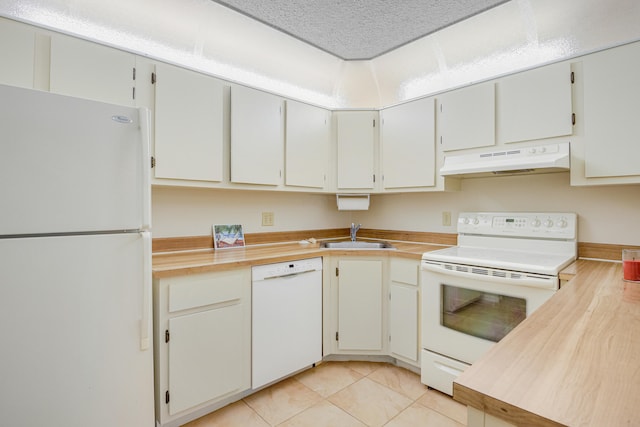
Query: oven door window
x=481, y=314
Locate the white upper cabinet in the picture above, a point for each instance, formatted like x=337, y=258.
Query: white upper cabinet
x=189, y=127
x=534, y=104
x=356, y=141
x=308, y=133
x=257, y=142
x=408, y=144
x=612, y=113
x=89, y=70
x=17, y=53
x=466, y=117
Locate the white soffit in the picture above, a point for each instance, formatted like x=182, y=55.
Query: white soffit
x=206, y=36
x=357, y=30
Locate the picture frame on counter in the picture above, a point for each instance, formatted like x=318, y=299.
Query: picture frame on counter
x=227, y=236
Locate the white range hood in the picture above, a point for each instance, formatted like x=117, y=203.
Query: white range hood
x=509, y=161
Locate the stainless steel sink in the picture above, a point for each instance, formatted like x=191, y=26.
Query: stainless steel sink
x=356, y=245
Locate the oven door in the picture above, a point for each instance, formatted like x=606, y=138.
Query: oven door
x=465, y=310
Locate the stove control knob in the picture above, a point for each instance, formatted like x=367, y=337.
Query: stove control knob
x=535, y=222
x=465, y=221
x=548, y=223
x=562, y=223
x=476, y=221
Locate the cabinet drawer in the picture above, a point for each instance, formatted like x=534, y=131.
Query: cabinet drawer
x=404, y=270
x=205, y=289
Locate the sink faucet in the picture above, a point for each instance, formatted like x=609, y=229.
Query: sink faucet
x=354, y=230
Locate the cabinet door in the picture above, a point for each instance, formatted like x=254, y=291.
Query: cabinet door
x=466, y=117
x=404, y=308
x=360, y=305
x=307, y=145
x=89, y=70
x=611, y=112
x=403, y=320
x=534, y=104
x=17, y=52
x=408, y=145
x=356, y=149
x=188, y=125
x=257, y=143
x=205, y=356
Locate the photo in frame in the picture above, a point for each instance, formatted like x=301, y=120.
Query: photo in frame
x=228, y=236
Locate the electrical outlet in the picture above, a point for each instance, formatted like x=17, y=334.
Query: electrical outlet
x=446, y=218
x=267, y=218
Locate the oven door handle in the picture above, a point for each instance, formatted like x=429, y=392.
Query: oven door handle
x=525, y=279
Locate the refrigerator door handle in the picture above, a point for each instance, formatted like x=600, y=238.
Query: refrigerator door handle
x=145, y=123
x=145, y=319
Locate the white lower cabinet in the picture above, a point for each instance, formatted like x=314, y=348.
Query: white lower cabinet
x=202, y=357
x=357, y=306
x=478, y=418
x=202, y=331
x=404, y=298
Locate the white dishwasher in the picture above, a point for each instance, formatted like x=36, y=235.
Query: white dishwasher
x=286, y=319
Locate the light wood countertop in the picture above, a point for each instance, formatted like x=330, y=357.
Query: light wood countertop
x=191, y=262
x=574, y=362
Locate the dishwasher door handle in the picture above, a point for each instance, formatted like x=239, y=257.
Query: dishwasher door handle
x=297, y=273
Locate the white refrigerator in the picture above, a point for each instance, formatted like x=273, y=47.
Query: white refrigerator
x=75, y=263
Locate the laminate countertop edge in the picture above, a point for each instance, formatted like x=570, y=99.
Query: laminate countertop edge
x=572, y=362
x=194, y=262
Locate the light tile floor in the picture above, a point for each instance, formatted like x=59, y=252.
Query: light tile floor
x=343, y=394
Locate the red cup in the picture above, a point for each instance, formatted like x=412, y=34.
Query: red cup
x=631, y=265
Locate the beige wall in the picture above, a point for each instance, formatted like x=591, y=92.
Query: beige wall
x=608, y=214
x=192, y=211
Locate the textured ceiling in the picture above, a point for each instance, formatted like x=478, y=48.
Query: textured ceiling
x=359, y=29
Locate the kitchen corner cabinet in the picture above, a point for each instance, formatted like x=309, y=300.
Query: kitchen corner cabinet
x=189, y=125
x=466, y=117
x=359, y=292
x=202, y=334
x=307, y=137
x=611, y=112
x=90, y=70
x=404, y=319
x=534, y=104
x=356, y=149
x=257, y=141
x=408, y=145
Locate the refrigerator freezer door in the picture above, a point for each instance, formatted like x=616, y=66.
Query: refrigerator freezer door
x=70, y=315
x=69, y=164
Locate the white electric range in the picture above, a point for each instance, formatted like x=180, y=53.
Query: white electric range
x=504, y=267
